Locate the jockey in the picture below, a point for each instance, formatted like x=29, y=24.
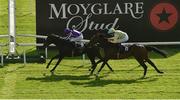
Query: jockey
x=118, y=36
x=74, y=36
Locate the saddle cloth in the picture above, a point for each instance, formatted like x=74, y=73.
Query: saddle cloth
x=123, y=48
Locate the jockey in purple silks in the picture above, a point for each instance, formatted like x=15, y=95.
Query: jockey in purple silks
x=74, y=36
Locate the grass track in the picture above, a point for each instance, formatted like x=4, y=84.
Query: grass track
x=19, y=82
x=72, y=82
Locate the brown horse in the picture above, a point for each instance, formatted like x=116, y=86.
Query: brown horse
x=109, y=50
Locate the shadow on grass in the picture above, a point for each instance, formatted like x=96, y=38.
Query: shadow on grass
x=53, y=78
x=87, y=81
x=103, y=82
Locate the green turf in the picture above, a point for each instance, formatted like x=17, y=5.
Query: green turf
x=71, y=81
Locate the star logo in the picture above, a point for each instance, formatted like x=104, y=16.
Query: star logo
x=164, y=16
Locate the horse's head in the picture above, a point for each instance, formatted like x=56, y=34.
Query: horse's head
x=98, y=38
x=51, y=39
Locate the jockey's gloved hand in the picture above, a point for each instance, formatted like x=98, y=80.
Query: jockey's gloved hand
x=109, y=35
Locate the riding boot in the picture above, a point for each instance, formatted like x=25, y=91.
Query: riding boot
x=118, y=50
x=121, y=48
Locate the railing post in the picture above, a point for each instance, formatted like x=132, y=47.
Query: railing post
x=46, y=53
x=83, y=59
x=24, y=57
x=2, y=59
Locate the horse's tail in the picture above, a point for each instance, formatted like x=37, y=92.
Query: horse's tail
x=151, y=48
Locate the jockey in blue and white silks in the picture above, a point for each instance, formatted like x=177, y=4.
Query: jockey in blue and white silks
x=118, y=36
x=74, y=36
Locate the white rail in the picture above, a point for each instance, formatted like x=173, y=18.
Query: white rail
x=30, y=35
x=153, y=43
x=4, y=36
x=85, y=41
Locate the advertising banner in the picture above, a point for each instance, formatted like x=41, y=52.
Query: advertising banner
x=142, y=20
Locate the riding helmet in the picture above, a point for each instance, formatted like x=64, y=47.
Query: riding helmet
x=111, y=30
x=67, y=30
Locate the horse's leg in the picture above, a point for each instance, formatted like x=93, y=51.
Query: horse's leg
x=52, y=60
x=106, y=64
x=93, y=63
x=109, y=66
x=141, y=62
x=99, y=61
x=102, y=66
x=93, y=68
x=145, y=69
x=152, y=64
x=59, y=60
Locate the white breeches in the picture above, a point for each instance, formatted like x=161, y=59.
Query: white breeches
x=77, y=40
x=125, y=39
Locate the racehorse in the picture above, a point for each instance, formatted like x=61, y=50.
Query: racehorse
x=65, y=49
x=111, y=50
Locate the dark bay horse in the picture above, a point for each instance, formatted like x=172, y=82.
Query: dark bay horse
x=110, y=50
x=65, y=49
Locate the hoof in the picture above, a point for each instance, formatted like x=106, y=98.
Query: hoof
x=52, y=72
x=97, y=77
x=143, y=77
x=161, y=72
x=97, y=74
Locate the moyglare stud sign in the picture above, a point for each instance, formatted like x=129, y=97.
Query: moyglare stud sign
x=142, y=20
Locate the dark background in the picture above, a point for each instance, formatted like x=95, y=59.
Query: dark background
x=138, y=30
